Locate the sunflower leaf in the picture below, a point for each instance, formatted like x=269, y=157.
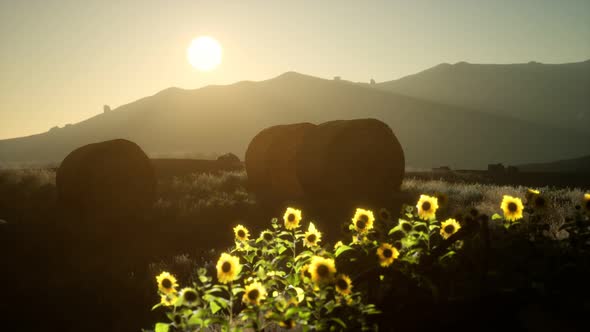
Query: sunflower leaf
x=496, y=216
x=341, y=249
x=162, y=327
x=156, y=306
x=237, y=290
x=214, y=307
x=339, y=321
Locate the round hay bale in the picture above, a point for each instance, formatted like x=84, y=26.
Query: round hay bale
x=270, y=162
x=350, y=163
x=107, y=178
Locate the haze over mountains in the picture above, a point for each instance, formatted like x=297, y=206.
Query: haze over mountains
x=481, y=123
x=553, y=94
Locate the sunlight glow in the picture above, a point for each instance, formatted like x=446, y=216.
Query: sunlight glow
x=204, y=53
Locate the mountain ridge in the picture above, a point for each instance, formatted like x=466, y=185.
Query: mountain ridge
x=223, y=118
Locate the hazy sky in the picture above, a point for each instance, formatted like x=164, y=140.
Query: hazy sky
x=61, y=61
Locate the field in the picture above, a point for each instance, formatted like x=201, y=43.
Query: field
x=63, y=273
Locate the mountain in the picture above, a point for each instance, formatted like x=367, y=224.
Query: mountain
x=219, y=119
x=552, y=94
x=576, y=165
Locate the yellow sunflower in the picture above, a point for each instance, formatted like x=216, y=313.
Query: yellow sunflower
x=228, y=268
x=189, y=297
x=166, y=283
x=343, y=284
x=449, y=227
x=305, y=272
x=241, y=233
x=168, y=300
x=586, y=203
x=292, y=218
x=512, y=207
x=338, y=245
x=254, y=293
x=387, y=254
x=363, y=220
x=321, y=269
x=312, y=236
x=427, y=207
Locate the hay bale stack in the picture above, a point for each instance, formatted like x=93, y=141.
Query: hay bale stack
x=350, y=163
x=111, y=178
x=270, y=162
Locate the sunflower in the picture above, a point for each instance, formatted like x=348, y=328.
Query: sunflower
x=254, y=293
x=312, y=236
x=166, y=283
x=363, y=220
x=385, y=216
x=586, y=203
x=387, y=254
x=449, y=227
x=343, y=284
x=305, y=272
x=287, y=323
x=189, y=296
x=267, y=236
x=427, y=207
x=338, y=245
x=321, y=269
x=292, y=218
x=228, y=268
x=241, y=233
x=168, y=300
x=512, y=207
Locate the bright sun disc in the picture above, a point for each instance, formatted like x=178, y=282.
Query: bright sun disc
x=204, y=53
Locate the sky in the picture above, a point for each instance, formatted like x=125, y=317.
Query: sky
x=62, y=60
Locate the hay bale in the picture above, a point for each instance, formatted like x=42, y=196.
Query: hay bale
x=111, y=178
x=270, y=162
x=350, y=163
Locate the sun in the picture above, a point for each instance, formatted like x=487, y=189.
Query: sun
x=204, y=53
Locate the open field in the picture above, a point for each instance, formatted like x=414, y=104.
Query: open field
x=73, y=269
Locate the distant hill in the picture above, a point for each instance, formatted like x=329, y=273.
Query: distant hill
x=219, y=119
x=552, y=94
x=576, y=165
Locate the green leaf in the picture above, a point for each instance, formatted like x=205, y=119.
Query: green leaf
x=214, y=307
x=339, y=321
x=341, y=249
x=156, y=306
x=195, y=320
x=281, y=249
x=496, y=216
x=162, y=327
x=433, y=227
x=237, y=290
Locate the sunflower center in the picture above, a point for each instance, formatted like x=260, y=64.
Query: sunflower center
x=253, y=294
x=426, y=206
x=267, y=236
x=323, y=271
x=166, y=283
x=226, y=267
x=449, y=229
x=241, y=233
x=311, y=238
x=291, y=217
x=190, y=296
x=342, y=284
x=387, y=253
x=512, y=207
